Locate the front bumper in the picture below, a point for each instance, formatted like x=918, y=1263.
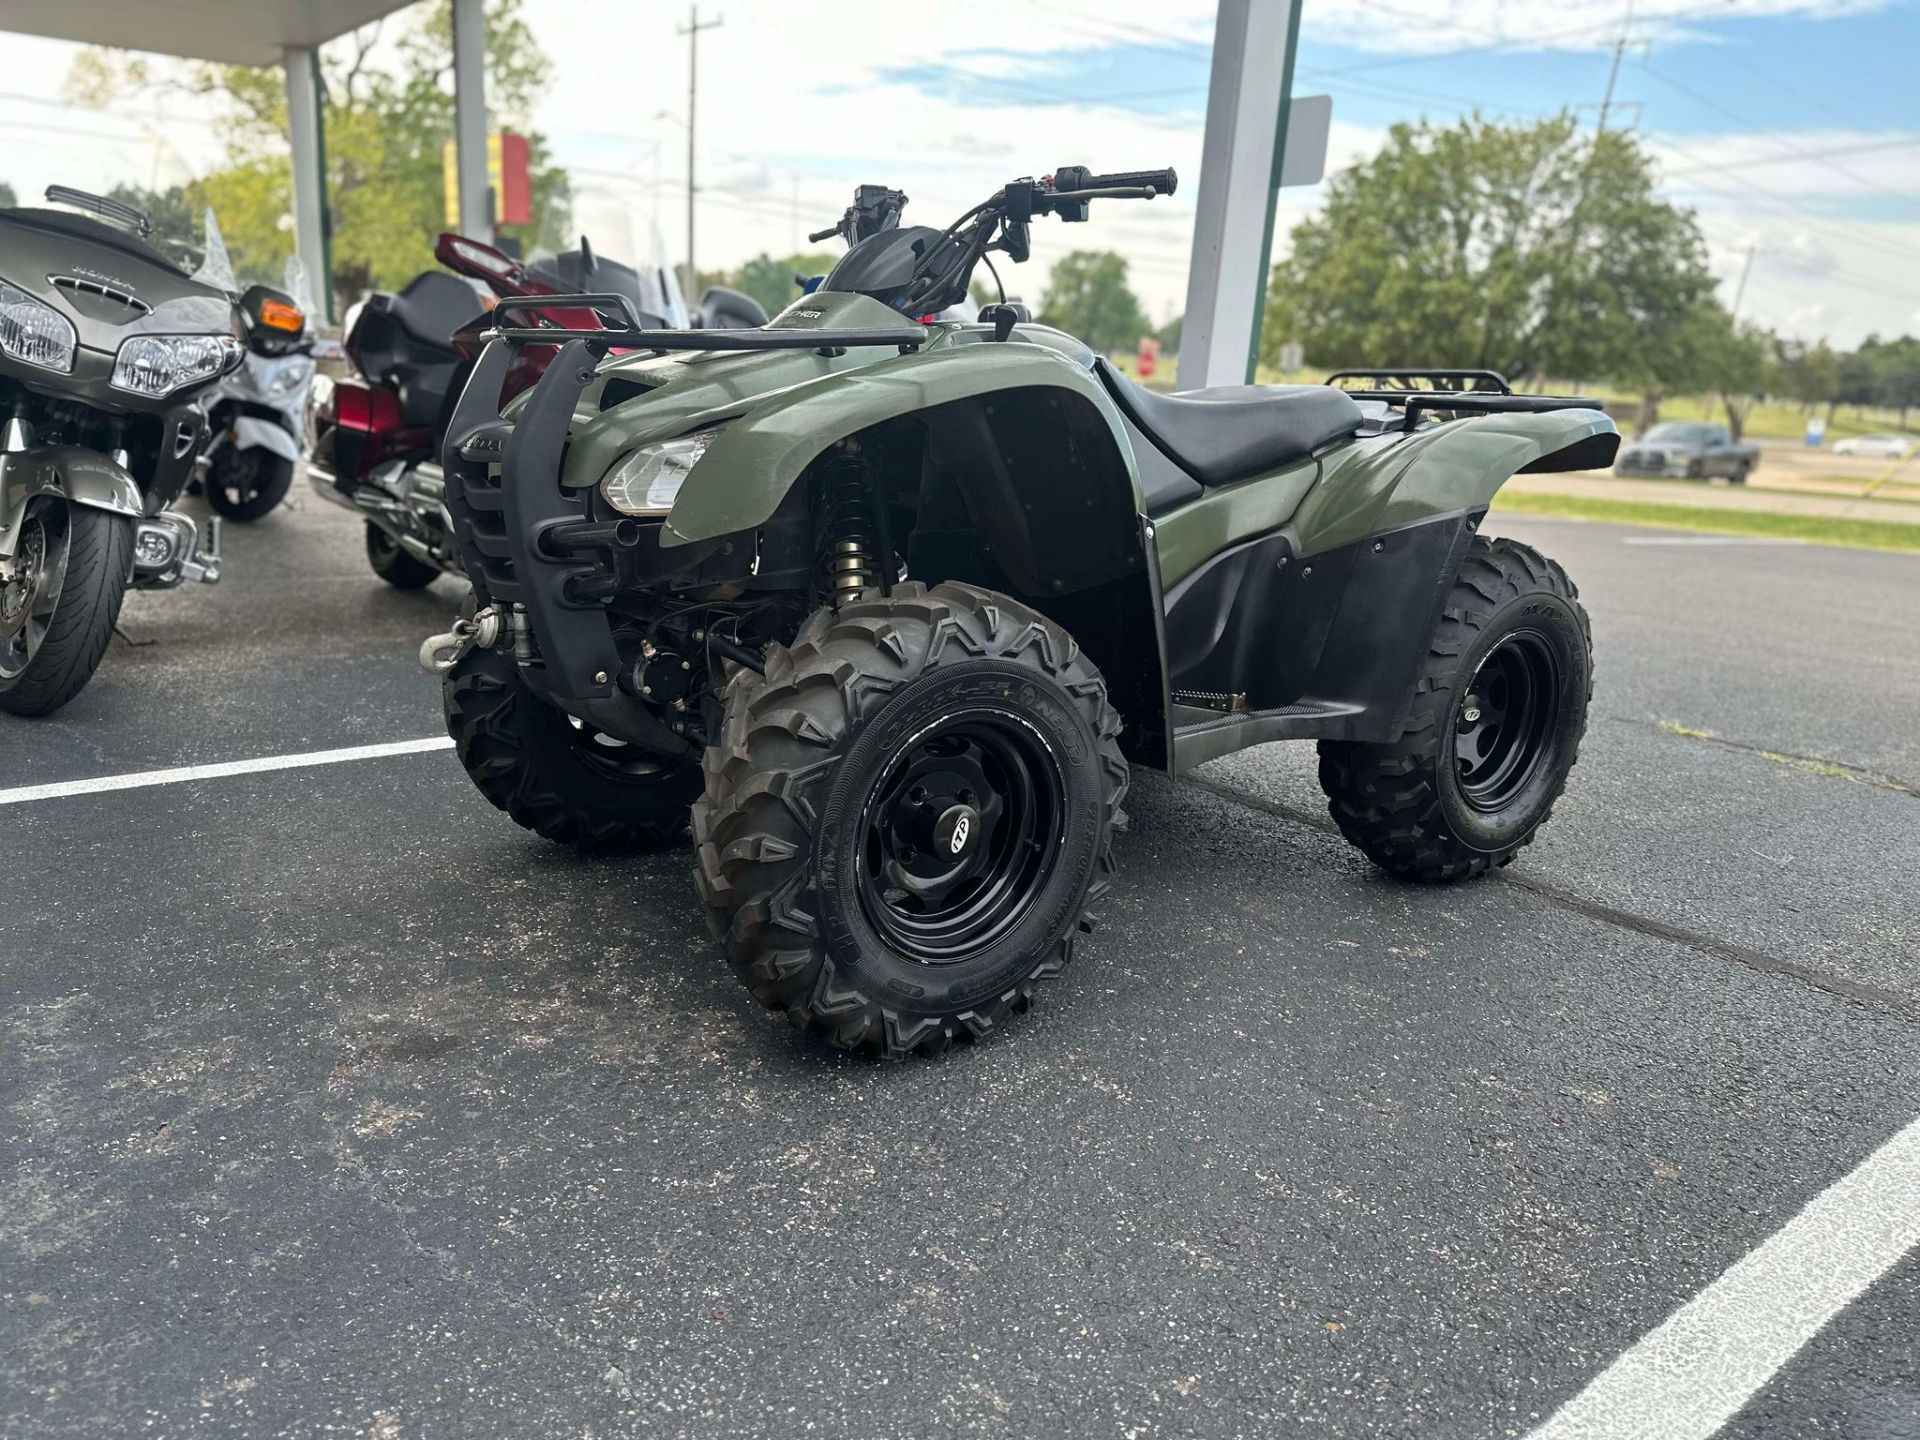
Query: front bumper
x=507, y=522
x=1669, y=468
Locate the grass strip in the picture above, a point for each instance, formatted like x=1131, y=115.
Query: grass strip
x=1814, y=529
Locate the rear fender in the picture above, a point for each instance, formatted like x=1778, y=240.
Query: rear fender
x=84, y=477
x=1370, y=487
x=1320, y=623
x=741, y=480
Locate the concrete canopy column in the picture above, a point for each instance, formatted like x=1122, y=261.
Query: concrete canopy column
x=306, y=130
x=470, y=117
x=1247, y=100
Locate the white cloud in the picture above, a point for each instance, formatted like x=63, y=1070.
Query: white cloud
x=1413, y=27
x=795, y=109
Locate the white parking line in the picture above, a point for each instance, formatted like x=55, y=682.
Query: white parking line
x=185, y=773
x=1693, y=1373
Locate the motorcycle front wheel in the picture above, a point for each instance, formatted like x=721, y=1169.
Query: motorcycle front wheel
x=247, y=484
x=58, y=602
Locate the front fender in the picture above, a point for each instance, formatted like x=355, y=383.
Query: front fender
x=741, y=480
x=1369, y=488
x=250, y=431
x=84, y=477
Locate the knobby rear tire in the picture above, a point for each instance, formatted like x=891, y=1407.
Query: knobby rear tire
x=1402, y=802
x=531, y=761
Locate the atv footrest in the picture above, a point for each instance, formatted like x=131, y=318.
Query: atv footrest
x=1203, y=734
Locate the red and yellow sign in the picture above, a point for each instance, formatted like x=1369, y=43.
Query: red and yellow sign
x=509, y=178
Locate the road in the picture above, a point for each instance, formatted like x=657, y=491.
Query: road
x=335, y=1104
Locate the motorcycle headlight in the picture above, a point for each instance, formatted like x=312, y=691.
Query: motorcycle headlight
x=35, y=332
x=648, y=480
x=290, y=378
x=160, y=364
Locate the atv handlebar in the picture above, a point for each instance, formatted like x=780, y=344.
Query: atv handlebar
x=1070, y=179
x=944, y=266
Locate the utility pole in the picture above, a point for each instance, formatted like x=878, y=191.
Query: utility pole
x=1613, y=71
x=692, y=32
x=1740, y=290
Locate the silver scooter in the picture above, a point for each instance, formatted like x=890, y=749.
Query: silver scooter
x=257, y=415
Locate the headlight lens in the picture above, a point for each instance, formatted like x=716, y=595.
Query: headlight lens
x=34, y=332
x=290, y=378
x=648, y=480
x=161, y=364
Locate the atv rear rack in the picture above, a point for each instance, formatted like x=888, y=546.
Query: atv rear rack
x=1456, y=390
x=630, y=335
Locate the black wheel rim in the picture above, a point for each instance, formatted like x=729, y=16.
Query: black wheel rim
x=611, y=754
x=240, y=479
x=28, y=598
x=1505, y=722
x=960, y=836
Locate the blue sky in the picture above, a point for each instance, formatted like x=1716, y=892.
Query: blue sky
x=1791, y=126
x=1743, y=101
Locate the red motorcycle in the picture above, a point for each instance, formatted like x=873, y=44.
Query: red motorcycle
x=375, y=437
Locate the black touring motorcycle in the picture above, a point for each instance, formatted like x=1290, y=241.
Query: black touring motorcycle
x=106, y=346
x=893, y=604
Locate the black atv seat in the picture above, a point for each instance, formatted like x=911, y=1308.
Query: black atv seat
x=1230, y=432
x=433, y=305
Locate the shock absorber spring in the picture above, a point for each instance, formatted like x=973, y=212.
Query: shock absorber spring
x=847, y=523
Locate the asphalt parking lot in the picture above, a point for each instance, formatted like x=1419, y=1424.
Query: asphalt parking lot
x=333, y=1103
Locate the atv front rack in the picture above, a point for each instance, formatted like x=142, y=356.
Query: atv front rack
x=631, y=335
x=1467, y=392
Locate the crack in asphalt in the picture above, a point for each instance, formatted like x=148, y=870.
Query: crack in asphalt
x=1863, y=774
x=1871, y=997
x=355, y=1171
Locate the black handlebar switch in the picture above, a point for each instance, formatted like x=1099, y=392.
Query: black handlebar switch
x=1018, y=206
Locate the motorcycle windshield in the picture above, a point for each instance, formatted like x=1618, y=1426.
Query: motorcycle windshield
x=215, y=269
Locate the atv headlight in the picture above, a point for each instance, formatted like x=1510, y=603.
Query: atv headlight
x=35, y=332
x=160, y=364
x=646, y=482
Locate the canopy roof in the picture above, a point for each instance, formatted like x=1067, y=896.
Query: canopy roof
x=242, y=32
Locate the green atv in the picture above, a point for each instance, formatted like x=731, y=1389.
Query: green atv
x=891, y=605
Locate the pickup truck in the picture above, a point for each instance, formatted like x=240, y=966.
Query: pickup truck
x=1688, y=450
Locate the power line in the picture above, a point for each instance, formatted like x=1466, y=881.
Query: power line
x=1530, y=42
x=1905, y=143
x=1739, y=119
x=1787, y=204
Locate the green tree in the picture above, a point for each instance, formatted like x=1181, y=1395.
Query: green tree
x=1807, y=373
x=1088, y=296
x=1891, y=373
x=7, y=197
x=1169, y=334
x=771, y=281
x=389, y=111
x=1736, y=360
x=1526, y=249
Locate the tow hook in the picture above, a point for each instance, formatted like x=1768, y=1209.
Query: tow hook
x=440, y=653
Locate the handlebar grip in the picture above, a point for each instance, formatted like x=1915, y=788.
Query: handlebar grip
x=1162, y=181
x=827, y=234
